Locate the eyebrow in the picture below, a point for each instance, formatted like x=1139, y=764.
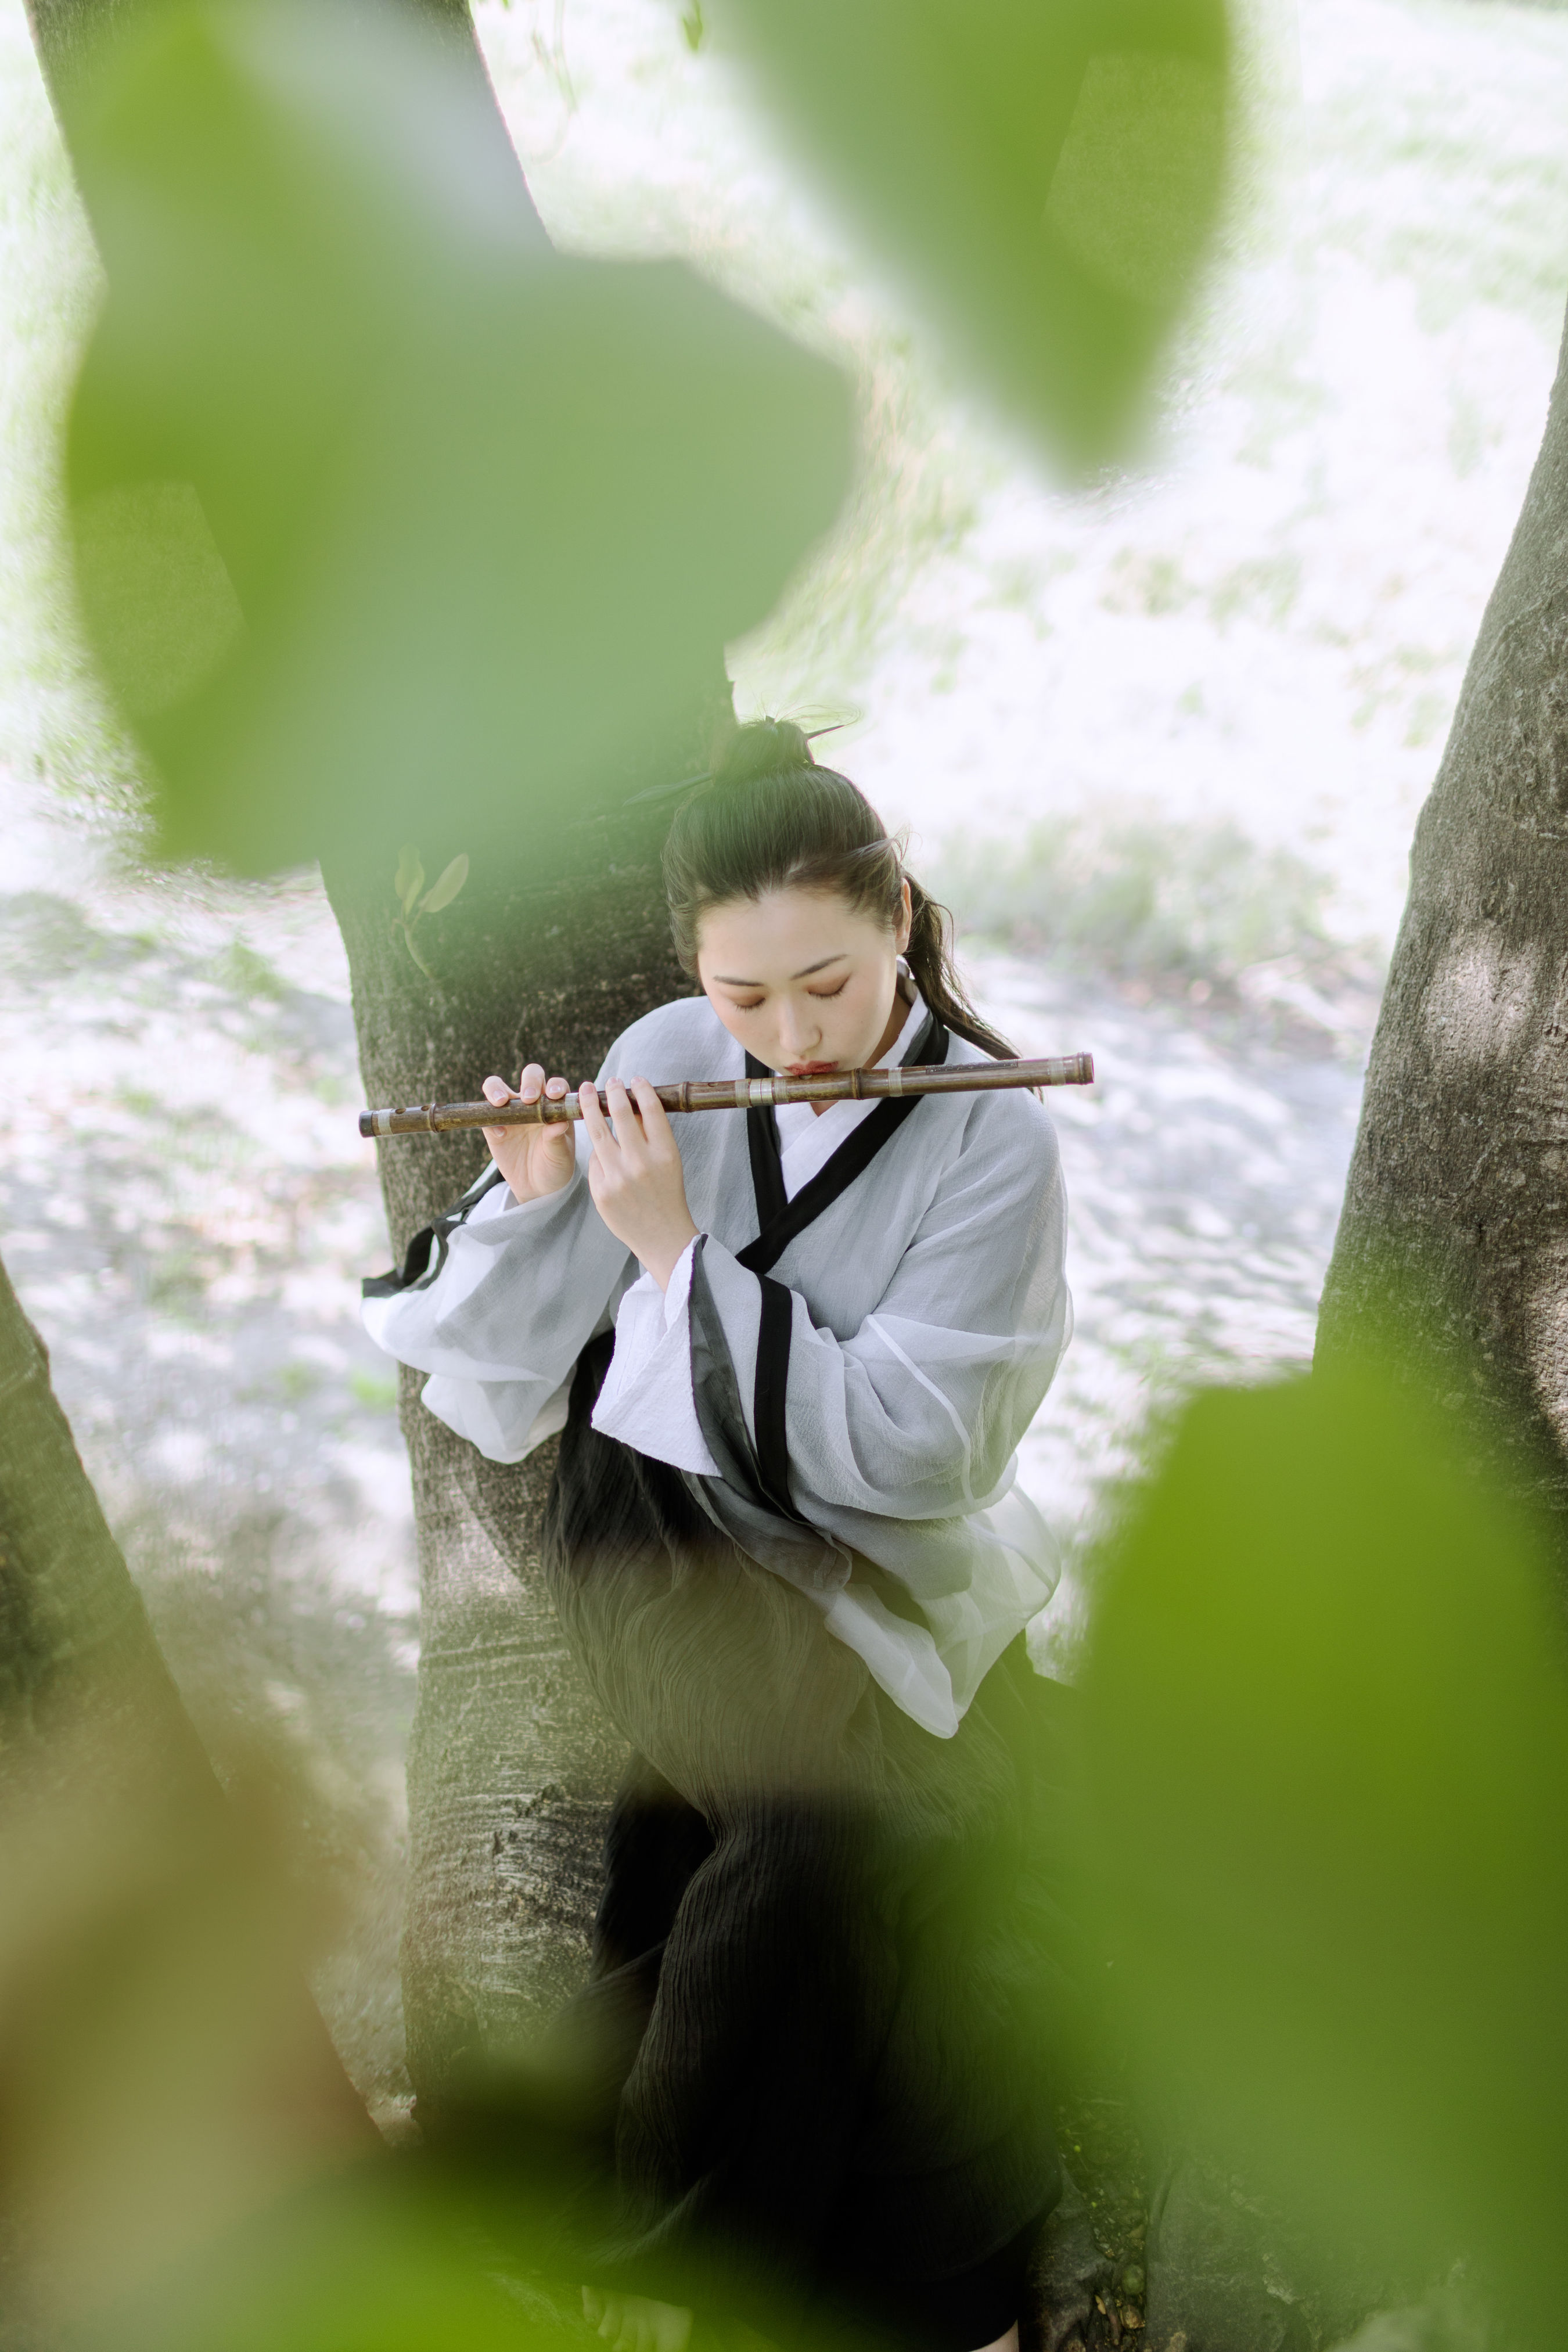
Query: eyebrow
x=806, y=972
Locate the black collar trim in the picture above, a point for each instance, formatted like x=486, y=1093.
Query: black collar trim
x=782, y=1220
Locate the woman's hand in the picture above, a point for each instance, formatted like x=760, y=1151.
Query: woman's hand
x=635, y=1176
x=533, y=1159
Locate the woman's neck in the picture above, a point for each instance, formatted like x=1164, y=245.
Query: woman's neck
x=896, y=1020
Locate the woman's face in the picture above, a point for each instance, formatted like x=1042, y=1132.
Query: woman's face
x=806, y=981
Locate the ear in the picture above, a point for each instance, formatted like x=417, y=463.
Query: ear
x=905, y=923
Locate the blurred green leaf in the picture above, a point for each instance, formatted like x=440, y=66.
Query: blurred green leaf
x=377, y=2259
x=160, y=603
x=446, y=886
x=1327, y=1740
x=409, y=879
x=488, y=512
x=1046, y=176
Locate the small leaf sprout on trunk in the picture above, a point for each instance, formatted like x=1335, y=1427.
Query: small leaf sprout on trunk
x=409, y=882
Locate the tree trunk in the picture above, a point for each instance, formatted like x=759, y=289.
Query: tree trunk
x=511, y=1766
x=103, y=1779
x=74, y=1635
x=1453, y=1244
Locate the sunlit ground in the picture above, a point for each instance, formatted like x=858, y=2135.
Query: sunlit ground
x=1266, y=631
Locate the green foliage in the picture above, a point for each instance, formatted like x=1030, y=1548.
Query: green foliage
x=446, y=886
x=1046, y=176
x=377, y=2261
x=1141, y=898
x=409, y=881
x=379, y=500
x=1326, y=1738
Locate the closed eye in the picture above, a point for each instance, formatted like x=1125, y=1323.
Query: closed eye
x=825, y=995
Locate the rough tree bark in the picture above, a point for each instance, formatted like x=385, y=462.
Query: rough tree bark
x=510, y=1764
x=547, y=957
x=1453, y=1242
x=73, y=1631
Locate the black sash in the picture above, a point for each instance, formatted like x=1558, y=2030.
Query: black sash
x=781, y=1220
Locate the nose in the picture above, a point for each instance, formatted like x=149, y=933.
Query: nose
x=798, y=1033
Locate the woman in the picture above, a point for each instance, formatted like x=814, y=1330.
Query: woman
x=792, y=1354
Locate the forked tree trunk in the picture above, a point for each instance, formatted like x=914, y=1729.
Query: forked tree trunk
x=1454, y=1237
x=545, y=957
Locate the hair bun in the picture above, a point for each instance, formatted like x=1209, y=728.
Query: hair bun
x=765, y=747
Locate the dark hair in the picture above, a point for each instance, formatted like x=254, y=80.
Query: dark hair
x=768, y=818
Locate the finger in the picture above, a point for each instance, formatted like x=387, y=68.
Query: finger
x=592, y=2305
x=623, y=1111
x=497, y=1090
x=557, y=1087
x=655, y=1117
x=594, y=1120
x=531, y=1085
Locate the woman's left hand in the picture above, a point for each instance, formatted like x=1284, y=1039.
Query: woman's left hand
x=635, y=1175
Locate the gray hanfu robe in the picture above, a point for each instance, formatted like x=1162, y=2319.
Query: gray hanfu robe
x=843, y=1391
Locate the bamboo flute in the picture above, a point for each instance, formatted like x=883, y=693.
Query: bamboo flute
x=746, y=1094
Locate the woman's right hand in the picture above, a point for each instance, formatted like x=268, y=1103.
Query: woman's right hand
x=533, y=1159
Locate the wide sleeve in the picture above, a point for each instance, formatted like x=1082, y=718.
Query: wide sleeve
x=888, y=1442
x=499, y=1306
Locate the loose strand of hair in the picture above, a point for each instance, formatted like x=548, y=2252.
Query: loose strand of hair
x=929, y=959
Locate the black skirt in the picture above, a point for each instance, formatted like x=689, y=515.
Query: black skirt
x=819, y=2007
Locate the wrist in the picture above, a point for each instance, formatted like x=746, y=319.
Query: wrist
x=664, y=1260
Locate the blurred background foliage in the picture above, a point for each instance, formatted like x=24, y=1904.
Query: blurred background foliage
x=1046, y=177
x=1312, y=1844
x=1145, y=897
x=484, y=510
x=1326, y=1742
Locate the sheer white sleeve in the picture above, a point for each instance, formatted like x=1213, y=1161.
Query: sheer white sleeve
x=509, y=1295
x=647, y=1400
